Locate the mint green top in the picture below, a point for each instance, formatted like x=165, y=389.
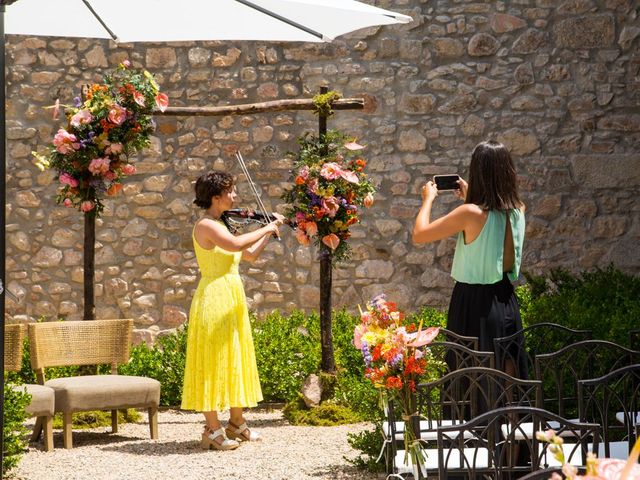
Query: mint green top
x=480, y=262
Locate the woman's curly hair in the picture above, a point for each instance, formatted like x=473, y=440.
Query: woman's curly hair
x=212, y=184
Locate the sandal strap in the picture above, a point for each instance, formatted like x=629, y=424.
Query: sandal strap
x=213, y=434
x=239, y=430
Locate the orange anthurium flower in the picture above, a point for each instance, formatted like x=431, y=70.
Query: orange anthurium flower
x=332, y=241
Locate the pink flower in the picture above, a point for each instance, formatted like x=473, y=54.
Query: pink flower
x=99, y=166
x=67, y=179
x=126, y=63
x=56, y=109
x=368, y=200
x=67, y=202
x=357, y=336
x=311, y=228
x=302, y=237
x=304, y=172
x=81, y=117
x=138, y=98
x=353, y=146
x=330, y=206
x=109, y=175
x=128, y=169
x=313, y=185
x=113, y=148
x=349, y=176
x=162, y=101
x=332, y=241
x=331, y=171
x=87, y=206
x=65, y=142
x=424, y=337
x=117, y=115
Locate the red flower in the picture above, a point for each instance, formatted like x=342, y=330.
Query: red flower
x=377, y=352
x=414, y=366
x=394, y=383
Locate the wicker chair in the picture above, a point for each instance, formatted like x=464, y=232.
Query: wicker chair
x=94, y=342
x=42, y=398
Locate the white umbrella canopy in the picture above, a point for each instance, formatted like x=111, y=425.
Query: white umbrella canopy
x=187, y=20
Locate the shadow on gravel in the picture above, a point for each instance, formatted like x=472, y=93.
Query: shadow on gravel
x=342, y=472
x=258, y=423
x=84, y=439
x=187, y=447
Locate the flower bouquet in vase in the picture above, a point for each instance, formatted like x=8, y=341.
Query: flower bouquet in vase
x=597, y=468
x=395, y=363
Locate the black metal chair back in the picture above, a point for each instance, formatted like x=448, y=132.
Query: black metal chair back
x=560, y=371
x=461, y=395
x=457, y=356
x=453, y=337
x=538, y=339
x=469, y=392
x=613, y=401
x=484, y=447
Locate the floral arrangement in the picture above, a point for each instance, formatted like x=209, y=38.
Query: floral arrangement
x=92, y=153
x=597, y=469
x=328, y=192
x=394, y=361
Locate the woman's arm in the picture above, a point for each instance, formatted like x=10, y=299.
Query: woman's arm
x=252, y=253
x=424, y=230
x=210, y=233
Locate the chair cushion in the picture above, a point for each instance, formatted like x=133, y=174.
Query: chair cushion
x=42, y=399
x=104, y=392
x=471, y=456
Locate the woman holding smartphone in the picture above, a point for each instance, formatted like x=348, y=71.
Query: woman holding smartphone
x=490, y=228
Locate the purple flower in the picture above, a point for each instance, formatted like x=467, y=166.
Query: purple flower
x=366, y=354
x=77, y=101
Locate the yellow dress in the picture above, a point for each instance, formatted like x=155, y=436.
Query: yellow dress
x=220, y=370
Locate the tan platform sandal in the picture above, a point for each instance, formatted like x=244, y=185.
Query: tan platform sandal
x=242, y=433
x=209, y=440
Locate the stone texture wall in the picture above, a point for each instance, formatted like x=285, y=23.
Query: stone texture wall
x=557, y=81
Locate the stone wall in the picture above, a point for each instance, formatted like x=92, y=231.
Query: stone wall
x=558, y=82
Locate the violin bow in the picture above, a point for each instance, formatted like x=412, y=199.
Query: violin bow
x=254, y=189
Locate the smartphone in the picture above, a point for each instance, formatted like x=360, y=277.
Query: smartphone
x=446, y=182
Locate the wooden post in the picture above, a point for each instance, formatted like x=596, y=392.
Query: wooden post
x=328, y=364
x=89, y=254
x=89, y=265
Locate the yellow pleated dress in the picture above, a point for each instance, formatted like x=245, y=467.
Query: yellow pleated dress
x=220, y=370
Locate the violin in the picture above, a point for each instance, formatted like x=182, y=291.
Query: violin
x=239, y=217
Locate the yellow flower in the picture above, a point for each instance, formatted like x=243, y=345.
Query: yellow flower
x=152, y=81
x=42, y=162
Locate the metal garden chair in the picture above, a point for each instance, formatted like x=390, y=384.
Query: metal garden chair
x=613, y=401
x=481, y=447
x=538, y=339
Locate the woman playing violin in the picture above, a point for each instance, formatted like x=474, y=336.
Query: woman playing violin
x=220, y=371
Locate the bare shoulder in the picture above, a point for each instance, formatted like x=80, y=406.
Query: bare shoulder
x=471, y=210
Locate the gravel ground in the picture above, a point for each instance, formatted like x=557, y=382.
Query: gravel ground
x=287, y=452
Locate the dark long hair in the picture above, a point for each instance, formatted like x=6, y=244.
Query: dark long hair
x=212, y=184
x=493, y=184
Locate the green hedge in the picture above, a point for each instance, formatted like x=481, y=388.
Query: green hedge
x=15, y=444
x=605, y=301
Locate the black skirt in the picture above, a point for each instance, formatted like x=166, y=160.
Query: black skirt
x=488, y=312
